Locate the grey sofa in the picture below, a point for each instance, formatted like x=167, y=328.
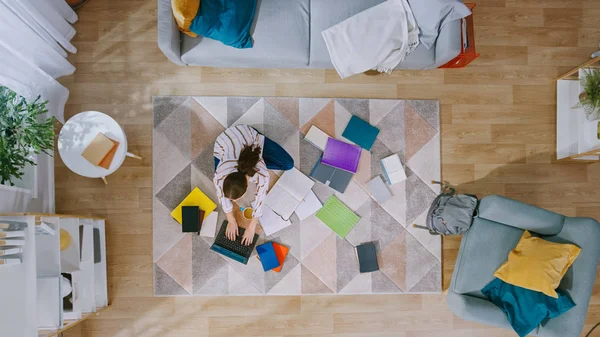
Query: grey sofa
x=495, y=232
x=287, y=34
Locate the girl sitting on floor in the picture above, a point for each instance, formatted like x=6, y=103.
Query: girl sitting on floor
x=243, y=155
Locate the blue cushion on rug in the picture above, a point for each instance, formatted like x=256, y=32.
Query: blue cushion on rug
x=524, y=308
x=228, y=21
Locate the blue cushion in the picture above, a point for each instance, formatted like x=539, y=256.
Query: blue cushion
x=228, y=21
x=524, y=308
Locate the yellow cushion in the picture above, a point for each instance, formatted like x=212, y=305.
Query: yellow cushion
x=184, y=12
x=537, y=264
x=195, y=198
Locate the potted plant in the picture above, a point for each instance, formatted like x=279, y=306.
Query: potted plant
x=589, y=99
x=23, y=133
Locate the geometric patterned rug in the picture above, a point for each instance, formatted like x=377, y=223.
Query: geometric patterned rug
x=319, y=261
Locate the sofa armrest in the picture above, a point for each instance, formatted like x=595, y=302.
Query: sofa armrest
x=447, y=45
x=477, y=310
x=519, y=215
x=169, y=37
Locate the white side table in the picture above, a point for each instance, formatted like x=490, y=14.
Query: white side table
x=77, y=134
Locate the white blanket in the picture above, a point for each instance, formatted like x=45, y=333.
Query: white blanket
x=378, y=38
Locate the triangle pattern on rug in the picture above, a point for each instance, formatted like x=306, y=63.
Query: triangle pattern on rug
x=309, y=107
x=290, y=236
x=363, y=174
x=177, y=263
x=324, y=120
x=417, y=131
x=312, y=284
x=205, y=263
x=312, y=232
x=418, y=196
x=252, y=272
x=346, y=263
x=321, y=261
x=424, y=163
x=238, y=106
x=177, y=129
x=418, y=261
x=381, y=284
x=218, y=284
x=205, y=162
x=238, y=285
x=216, y=106
x=385, y=227
x=392, y=131
x=431, y=282
x=292, y=147
x=392, y=260
x=176, y=190
x=288, y=107
x=429, y=110
x=204, y=184
x=309, y=156
x=276, y=126
x=166, y=231
x=396, y=205
x=205, y=128
x=254, y=116
x=433, y=243
x=356, y=107
x=354, y=196
x=164, y=285
x=272, y=278
x=167, y=161
x=361, y=284
x=342, y=117
x=379, y=108
x=379, y=151
x=290, y=284
x=163, y=106
x=361, y=232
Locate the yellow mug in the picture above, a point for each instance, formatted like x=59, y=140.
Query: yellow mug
x=247, y=212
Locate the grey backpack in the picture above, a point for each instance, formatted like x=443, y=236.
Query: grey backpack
x=450, y=213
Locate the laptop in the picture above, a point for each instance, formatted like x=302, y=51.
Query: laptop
x=234, y=250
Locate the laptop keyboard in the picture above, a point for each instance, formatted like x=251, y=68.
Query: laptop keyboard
x=235, y=246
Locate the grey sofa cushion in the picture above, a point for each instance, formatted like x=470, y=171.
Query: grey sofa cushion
x=327, y=13
x=280, y=34
x=483, y=249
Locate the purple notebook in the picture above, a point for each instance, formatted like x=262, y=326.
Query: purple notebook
x=341, y=155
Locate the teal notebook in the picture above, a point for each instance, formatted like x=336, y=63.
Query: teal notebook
x=337, y=216
x=360, y=133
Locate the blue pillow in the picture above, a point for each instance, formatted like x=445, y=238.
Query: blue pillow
x=228, y=21
x=524, y=308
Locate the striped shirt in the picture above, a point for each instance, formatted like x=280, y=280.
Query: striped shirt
x=227, y=149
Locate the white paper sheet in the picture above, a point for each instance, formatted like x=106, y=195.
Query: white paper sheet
x=308, y=206
x=271, y=222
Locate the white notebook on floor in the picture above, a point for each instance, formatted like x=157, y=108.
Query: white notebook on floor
x=316, y=137
x=288, y=192
x=309, y=206
x=271, y=222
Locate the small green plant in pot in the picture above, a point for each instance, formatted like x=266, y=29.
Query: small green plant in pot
x=24, y=131
x=589, y=99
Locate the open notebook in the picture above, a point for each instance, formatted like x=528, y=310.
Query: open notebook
x=288, y=192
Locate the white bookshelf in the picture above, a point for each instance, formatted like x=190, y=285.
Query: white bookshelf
x=32, y=304
x=576, y=137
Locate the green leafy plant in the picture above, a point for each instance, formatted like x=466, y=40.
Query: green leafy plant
x=589, y=100
x=23, y=132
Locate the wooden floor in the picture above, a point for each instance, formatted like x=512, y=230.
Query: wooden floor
x=498, y=129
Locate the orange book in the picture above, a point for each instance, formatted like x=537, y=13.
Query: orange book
x=281, y=252
x=107, y=160
x=99, y=147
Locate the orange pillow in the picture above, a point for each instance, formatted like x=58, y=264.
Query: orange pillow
x=184, y=12
x=537, y=264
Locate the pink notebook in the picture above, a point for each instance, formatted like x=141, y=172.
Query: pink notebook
x=341, y=155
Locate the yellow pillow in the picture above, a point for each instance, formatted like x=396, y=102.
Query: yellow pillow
x=537, y=264
x=184, y=12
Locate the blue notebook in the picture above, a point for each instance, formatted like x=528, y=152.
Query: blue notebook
x=267, y=255
x=360, y=133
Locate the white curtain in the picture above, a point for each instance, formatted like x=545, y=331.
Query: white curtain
x=35, y=37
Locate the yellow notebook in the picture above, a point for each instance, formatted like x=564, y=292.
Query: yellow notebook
x=195, y=198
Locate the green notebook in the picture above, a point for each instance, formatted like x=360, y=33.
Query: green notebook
x=337, y=216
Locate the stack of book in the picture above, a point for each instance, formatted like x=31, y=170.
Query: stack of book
x=12, y=238
x=271, y=255
x=101, y=151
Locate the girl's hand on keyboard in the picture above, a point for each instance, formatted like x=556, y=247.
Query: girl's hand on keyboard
x=232, y=230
